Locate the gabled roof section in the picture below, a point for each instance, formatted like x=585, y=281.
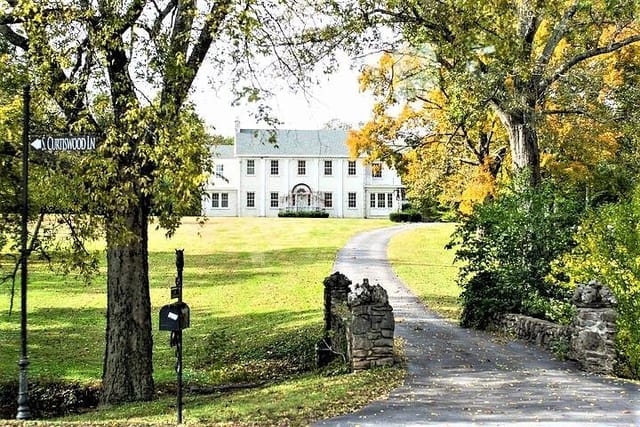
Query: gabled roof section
x=283, y=142
x=222, y=151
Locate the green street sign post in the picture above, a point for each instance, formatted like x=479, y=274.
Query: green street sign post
x=50, y=143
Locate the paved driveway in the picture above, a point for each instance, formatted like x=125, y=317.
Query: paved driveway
x=461, y=377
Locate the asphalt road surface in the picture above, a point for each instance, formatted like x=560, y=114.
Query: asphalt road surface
x=461, y=377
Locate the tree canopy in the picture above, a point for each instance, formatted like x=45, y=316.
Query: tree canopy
x=522, y=61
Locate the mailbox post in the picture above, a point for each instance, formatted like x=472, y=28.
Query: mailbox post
x=175, y=317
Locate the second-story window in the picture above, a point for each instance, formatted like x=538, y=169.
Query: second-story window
x=219, y=171
x=302, y=167
x=328, y=167
x=351, y=169
x=376, y=170
x=251, y=167
x=275, y=170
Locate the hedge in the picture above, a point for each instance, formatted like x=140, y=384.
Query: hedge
x=303, y=214
x=406, y=216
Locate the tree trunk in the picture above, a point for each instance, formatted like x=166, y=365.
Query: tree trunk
x=127, y=372
x=523, y=141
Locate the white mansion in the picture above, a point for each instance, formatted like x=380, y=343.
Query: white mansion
x=265, y=172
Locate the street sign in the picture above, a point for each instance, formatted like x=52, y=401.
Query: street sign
x=64, y=142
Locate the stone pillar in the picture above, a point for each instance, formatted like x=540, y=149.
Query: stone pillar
x=335, y=342
x=336, y=289
x=594, y=328
x=370, y=327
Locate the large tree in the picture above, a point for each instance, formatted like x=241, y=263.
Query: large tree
x=513, y=56
x=123, y=69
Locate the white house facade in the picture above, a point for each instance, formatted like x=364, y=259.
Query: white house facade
x=265, y=172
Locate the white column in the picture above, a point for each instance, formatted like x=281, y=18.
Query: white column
x=239, y=191
x=262, y=189
x=341, y=169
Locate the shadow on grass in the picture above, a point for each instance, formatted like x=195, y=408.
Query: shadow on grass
x=224, y=344
x=63, y=343
x=398, y=262
x=66, y=348
x=447, y=306
x=249, y=348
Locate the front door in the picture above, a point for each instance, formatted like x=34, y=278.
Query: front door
x=303, y=199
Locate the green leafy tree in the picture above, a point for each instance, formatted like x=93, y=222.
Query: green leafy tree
x=608, y=250
x=123, y=70
x=507, y=246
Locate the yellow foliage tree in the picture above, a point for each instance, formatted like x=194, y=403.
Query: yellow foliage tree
x=443, y=153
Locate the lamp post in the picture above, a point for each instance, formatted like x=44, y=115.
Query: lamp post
x=23, y=388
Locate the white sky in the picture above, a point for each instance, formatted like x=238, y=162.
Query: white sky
x=338, y=97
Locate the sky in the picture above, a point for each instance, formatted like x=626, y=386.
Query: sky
x=337, y=97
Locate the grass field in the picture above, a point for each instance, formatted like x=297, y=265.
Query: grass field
x=255, y=291
x=419, y=258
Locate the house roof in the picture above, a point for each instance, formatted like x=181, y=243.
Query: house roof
x=283, y=142
x=222, y=151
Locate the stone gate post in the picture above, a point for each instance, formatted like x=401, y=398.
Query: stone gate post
x=594, y=328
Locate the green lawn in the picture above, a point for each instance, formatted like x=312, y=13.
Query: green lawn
x=419, y=258
x=255, y=291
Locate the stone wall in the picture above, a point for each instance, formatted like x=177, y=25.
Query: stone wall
x=359, y=324
x=543, y=333
x=589, y=338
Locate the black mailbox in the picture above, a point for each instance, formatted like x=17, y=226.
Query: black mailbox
x=174, y=317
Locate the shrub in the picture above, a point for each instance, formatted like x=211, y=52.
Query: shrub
x=406, y=216
x=303, y=214
x=507, y=246
x=608, y=250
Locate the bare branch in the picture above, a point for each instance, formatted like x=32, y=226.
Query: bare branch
x=14, y=38
x=558, y=34
x=162, y=15
x=178, y=90
x=564, y=68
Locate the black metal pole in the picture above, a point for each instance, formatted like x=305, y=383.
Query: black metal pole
x=179, y=371
x=23, y=388
x=179, y=268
